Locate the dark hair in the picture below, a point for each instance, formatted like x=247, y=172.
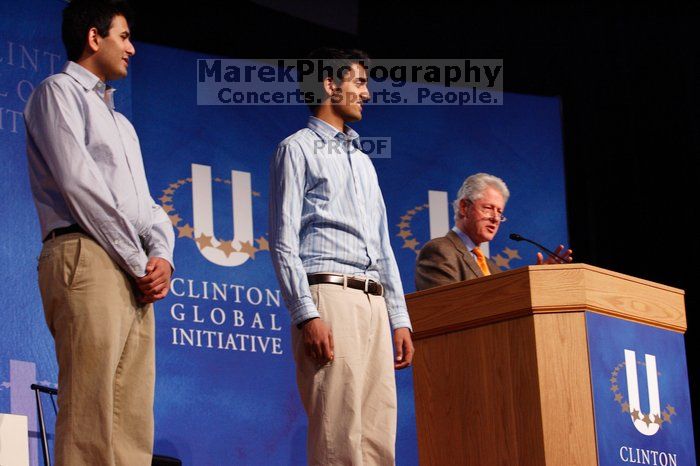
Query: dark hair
x=328, y=62
x=81, y=15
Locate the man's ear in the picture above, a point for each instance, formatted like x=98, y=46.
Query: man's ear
x=93, y=40
x=463, y=206
x=331, y=90
x=329, y=87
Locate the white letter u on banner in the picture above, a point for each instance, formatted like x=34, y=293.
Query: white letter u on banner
x=644, y=423
x=203, y=212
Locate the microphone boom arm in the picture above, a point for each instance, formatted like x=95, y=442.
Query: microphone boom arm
x=517, y=237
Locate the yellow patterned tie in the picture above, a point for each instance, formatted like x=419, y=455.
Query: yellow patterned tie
x=481, y=260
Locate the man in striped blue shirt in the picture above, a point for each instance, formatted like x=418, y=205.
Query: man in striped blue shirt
x=331, y=251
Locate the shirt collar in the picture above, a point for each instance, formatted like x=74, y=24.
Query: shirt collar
x=465, y=238
x=327, y=132
x=90, y=82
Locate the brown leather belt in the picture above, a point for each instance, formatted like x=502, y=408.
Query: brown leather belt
x=367, y=285
x=75, y=228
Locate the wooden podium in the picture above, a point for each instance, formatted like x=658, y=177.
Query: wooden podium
x=501, y=372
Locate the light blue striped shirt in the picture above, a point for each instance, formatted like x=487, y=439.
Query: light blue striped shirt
x=85, y=167
x=327, y=214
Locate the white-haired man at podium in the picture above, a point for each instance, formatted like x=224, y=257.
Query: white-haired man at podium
x=457, y=256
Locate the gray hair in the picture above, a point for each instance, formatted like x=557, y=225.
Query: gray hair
x=473, y=189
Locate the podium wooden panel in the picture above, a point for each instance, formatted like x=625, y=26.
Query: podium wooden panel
x=501, y=372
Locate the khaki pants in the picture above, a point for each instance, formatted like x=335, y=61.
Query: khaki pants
x=105, y=350
x=350, y=402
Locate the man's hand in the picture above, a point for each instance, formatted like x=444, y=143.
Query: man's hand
x=156, y=283
x=318, y=341
x=403, y=346
x=564, y=258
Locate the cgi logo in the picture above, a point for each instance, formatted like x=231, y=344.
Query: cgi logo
x=203, y=209
x=227, y=253
x=646, y=423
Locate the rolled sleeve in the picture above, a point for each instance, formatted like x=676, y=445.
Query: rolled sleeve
x=302, y=310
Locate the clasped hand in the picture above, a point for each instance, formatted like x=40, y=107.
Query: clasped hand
x=156, y=283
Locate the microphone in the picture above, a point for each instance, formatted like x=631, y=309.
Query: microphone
x=517, y=237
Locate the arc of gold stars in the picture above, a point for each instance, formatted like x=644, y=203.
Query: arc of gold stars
x=638, y=415
x=503, y=258
x=203, y=240
x=405, y=232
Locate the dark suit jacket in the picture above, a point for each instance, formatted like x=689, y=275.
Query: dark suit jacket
x=446, y=260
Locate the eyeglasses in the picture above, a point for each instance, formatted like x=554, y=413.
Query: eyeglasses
x=490, y=211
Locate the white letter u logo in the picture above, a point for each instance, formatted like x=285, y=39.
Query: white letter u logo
x=203, y=212
x=645, y=423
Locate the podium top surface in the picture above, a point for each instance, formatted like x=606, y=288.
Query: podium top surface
x=540, y=289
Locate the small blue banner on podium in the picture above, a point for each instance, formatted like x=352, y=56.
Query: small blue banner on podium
x=640, y=393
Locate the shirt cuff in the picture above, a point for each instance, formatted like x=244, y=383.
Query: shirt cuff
x=163, y=255
x=137, y=264
x=400, y=320
x=304, y=309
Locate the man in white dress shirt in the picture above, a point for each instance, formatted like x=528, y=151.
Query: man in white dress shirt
x=108, y=247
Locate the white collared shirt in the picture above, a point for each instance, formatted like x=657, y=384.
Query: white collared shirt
x=85, y=167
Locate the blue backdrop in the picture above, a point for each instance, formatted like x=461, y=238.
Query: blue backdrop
x=225, y=376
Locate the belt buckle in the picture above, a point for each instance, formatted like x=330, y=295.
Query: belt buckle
x=380, y=287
